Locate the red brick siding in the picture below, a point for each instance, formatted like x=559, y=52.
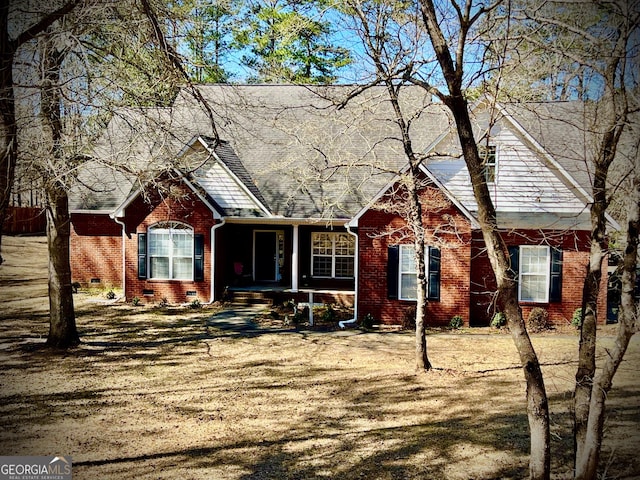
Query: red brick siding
x=189, y=210
x=455, y=263
x=575, y=258
x=96, y=250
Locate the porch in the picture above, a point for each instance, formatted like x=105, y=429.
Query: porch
x=272, y=263
x=273, y=295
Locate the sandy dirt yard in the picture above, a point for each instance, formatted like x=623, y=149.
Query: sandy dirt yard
x=180, y=393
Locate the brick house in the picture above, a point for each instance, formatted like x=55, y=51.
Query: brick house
x=297, y=201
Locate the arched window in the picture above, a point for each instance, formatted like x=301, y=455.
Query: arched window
x=170, y=251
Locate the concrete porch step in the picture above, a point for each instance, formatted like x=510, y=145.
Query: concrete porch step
x=250, y=298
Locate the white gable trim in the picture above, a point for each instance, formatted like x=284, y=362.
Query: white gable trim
x=547, y=156
x=587, y=198
x=229, y=172
x=353, y=223
x=119, y=212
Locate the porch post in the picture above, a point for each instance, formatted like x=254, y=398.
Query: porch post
x=294, y=260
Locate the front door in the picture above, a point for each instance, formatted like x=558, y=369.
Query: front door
x=268, y=246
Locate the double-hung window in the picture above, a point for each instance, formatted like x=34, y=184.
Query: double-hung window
x=332, y=255
x=488, y=156
x=407, y=273
x=171, y=251
x=539, y=272
x=534, y=274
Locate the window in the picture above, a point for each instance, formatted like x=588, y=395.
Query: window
x=332, y=255
x=403, y=274
x=534, y=274
x=408, y=273
x=170, y=251
x=488, y=157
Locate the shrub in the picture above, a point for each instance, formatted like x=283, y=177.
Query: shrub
x=300, y=314
x=195, y=304
x=368, y=321
x=538, y=320
x=576, y=320
x=456, y=322
x=329, y=314
x=111, y=295
x=135, y=301
x=498, y=320
x=164, y=302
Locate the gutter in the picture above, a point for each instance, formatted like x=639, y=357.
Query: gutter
x=212, y=292
x=124, y=256
x=352, y=321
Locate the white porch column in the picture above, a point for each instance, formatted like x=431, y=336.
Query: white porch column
x=294, y=259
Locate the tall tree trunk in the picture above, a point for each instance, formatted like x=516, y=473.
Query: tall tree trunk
x=586, y=466
x=62, y=326
x=537, y=402
x=585, y=396
x=8, y=129
x=587, y=348
x=422, y=359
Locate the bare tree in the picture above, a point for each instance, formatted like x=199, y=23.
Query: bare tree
x=10, y=42
x=62, y=325
x=68, y=78
x=390, y=46
x=397, y=65
x=594, y=50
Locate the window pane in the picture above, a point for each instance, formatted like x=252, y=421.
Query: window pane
x=345, y=245
x=344, y=266
x=534, y=274
x=159, y=267
x=182, y=245
x=533, y=288
x=159, y=244
x=408, y=286
x=182, y=268
x=488, y=156
x=407, y=259
x=322, y=266
x=322, y=244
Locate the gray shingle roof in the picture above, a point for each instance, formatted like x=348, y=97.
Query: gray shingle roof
x=298, y=153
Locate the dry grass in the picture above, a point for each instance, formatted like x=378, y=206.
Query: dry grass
x=180, y=393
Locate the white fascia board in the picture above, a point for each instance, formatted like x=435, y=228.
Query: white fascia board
x=215, y=212
x=353, y=223
x=465, y=211
x=91, y=212
x=279, y=220
x=237, y=180
x=118, y=212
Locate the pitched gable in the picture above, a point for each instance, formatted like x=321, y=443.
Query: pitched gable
x=228, y=183
x=529, y=191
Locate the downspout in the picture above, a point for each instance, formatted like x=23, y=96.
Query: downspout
x=124, y=256
x=352, y=321
x=212, y=294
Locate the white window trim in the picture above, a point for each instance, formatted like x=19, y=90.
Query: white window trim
x=334, y=237
x=400, y=272
x=495, y=162
x=159, y=228
x=547, y=273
